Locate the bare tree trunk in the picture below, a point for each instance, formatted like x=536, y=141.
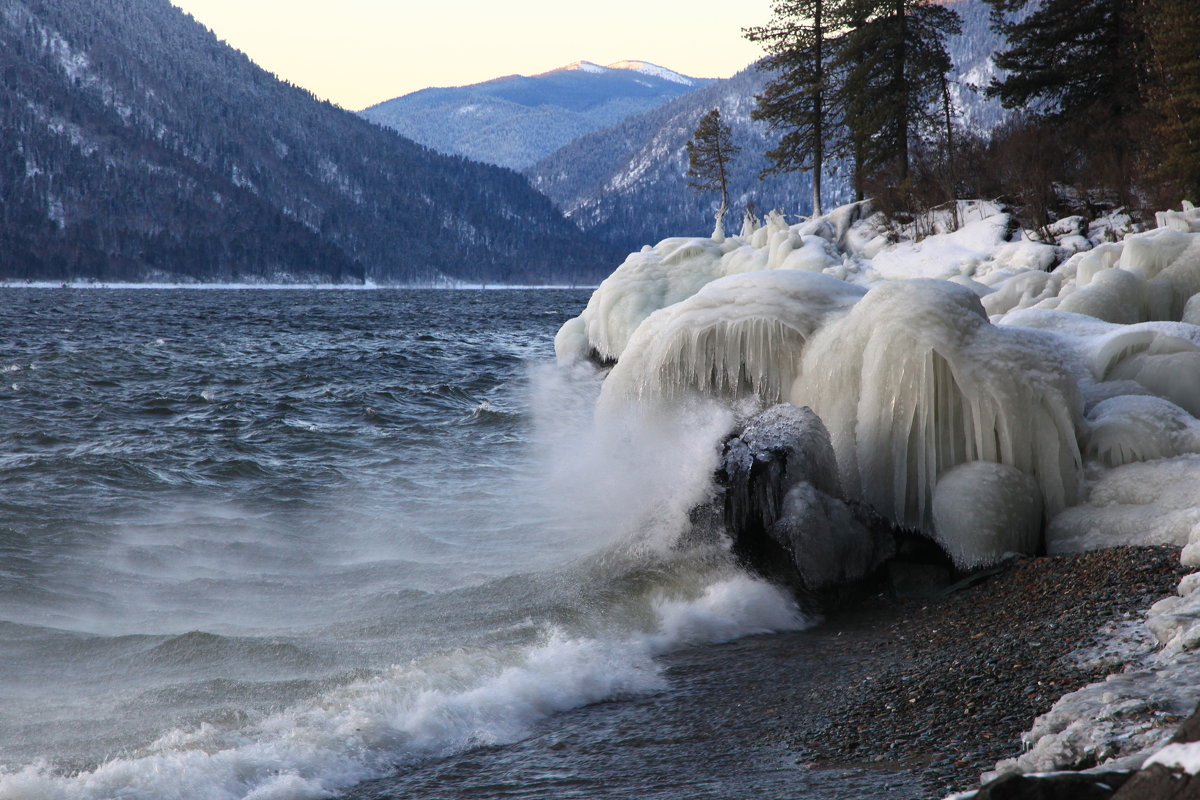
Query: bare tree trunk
x=951, y=161
x=901, y=87
x=718, y=234
x=819, y=108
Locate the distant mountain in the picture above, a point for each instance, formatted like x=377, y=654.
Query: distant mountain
x=136, y=146
x=516, y=120
x=627, y=183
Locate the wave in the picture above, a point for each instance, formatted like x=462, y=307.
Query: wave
x=433, y=707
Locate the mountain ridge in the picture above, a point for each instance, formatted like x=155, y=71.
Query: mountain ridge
x=514, y=120
x=135, y=146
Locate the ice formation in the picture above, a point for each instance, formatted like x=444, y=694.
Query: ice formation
x=920, y=356
x=675, y=269
x=983, y=511
x=969, y=387
x=915, y=380
x=738, y=336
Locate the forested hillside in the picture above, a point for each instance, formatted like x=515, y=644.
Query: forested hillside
x=134, y=145
x=627, y=183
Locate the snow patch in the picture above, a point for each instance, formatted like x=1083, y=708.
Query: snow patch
x=584, y=66
x=646, y=68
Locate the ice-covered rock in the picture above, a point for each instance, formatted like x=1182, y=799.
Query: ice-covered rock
x=1143, y=502
x=1126, y=720
x=1127, y=428
x=983, y=510
x=1082, y=381
x=1187, y=220
x=779, y=448
x=783, y=504
x=830, y=543
x=677, y=268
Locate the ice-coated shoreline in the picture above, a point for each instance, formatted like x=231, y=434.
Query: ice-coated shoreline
x=946, y=685
x=948, y=358
x=1127, y=719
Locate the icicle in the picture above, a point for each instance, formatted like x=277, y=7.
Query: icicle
x=915, y=380
x=741, y=336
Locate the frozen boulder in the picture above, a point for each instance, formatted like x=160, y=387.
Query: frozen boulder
x=1129, y=428
x=784, y=509
x=1187, y=220
x=739, y=337
x=779, y=448
x=1114, y=295
x=983, y=510
x=1142, y=502
x=676, y=268
x=648, y=280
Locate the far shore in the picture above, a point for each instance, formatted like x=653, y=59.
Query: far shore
x=342, y=287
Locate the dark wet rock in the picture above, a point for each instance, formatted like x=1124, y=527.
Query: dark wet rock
x=1153, y=783
x=1189, y=731
x=1058, y=786
x=783, y=505
x=1159, y=783
x=828, y=545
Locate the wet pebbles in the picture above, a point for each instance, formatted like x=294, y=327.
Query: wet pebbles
x=945, y=687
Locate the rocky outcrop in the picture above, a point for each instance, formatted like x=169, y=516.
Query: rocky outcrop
x=784, y=508
x=1056, y=786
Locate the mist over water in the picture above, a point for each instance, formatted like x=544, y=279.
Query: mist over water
x=272, y=544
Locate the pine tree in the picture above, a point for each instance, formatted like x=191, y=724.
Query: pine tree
x=710, y=151
x=798, y=101
x=1173, y=37
x=893, y=63
x=1079, y=66
x=1068, y=56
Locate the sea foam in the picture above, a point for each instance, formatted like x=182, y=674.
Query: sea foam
x=431, y=708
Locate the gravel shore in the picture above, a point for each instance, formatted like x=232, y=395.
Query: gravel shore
x=892, y=700
x=944, y=688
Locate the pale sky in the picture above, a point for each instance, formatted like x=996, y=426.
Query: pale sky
x=360, y=52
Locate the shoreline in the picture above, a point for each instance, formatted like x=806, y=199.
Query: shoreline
x=823, y=713
x=947, y=686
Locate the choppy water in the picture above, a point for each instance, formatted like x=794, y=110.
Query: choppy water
x=285, y=544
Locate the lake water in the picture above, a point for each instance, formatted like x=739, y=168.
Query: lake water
x=291, y=544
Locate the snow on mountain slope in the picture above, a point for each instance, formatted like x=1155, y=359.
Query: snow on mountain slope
x=136, y=146
x=515, y=120
x=646, y=68
x=628, y=183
